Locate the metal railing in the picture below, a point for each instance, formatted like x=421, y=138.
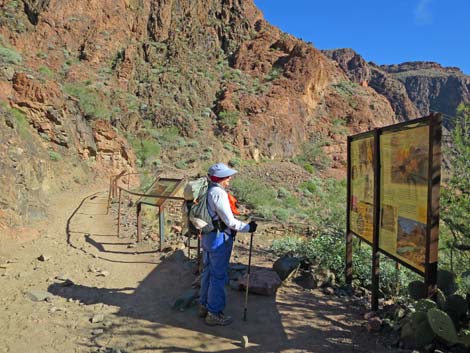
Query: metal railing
x=116, y=190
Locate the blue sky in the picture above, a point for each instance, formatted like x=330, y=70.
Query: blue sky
x=385, y=32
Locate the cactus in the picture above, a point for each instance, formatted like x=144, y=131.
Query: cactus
x=446, y=282
x=424, y=305
x=416, y=331
x=417, y=290
x=424, y=334
x=456, y=307
x=442, y=325
x=417, y=317
x=440, y=299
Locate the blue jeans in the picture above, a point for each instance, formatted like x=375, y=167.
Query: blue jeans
x=214, y=273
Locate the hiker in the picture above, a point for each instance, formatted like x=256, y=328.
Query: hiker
x=217, y=246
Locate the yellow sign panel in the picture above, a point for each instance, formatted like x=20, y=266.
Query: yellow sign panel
x=404, y=157
x=361, y=212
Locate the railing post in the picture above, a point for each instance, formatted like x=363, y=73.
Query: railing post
x=119, y=214
x=139, y=222
x=109, y=194
x=161, y=226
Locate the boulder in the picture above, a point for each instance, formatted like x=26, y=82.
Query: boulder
x=262, y=281
x=39, y=295
x=285, y=265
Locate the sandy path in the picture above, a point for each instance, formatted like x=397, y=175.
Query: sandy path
x=134, y=289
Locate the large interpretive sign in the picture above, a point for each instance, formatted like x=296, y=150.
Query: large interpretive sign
x=393, y=193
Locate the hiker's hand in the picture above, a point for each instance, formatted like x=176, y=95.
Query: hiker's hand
x=253, y=226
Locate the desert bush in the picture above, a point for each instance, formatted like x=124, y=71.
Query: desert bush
x=235, y=162
x=229, y=119
x=10, y=56
x=259, y=196
x=346, y=88
x=23, y=124
x=339, y=126
x=55, y=156
x=181, y=165
x=91, y=104
x=273, y=74
x=206, y=156
x=323, y=202
x=47, y=72
x=312, y=154
x=146, y=150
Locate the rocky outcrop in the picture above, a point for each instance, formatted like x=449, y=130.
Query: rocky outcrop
x=432, y=87
x=43, y=105
x=414, y=89
x=362, y=72
x=354, y=65
x=301, y=99
x=112, y=149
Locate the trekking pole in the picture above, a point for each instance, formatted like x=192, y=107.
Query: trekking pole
x=248, y=278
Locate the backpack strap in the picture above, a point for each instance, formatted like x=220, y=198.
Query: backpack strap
x=217, y=223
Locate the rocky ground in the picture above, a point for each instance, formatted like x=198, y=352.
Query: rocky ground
x=71, y=285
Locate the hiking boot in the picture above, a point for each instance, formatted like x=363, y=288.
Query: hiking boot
x=218, y=319
x=201, y=310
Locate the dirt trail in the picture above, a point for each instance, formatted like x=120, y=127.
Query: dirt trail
x=129, y=291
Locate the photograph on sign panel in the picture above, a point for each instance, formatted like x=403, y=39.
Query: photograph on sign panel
x=410, y=159
x=411, y=241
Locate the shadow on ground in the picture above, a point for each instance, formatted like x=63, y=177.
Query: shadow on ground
x=293, y=320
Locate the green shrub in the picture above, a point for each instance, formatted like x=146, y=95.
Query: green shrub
x=181, y=165
x=55, y=156
x=323, y=202
x=281, y=214
x=10, y=56
x=90, y=102
x=274, y=74
x=229, y=119
x=312, y=154
x=346, y=88
x=206, y=156
x=235, y=162
x=309, y=168
x=228, y=146
x=145, y=149
x=256, y=194
x=47, y=72
x=23, y=124
x=283, y=193
x=193, y=144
